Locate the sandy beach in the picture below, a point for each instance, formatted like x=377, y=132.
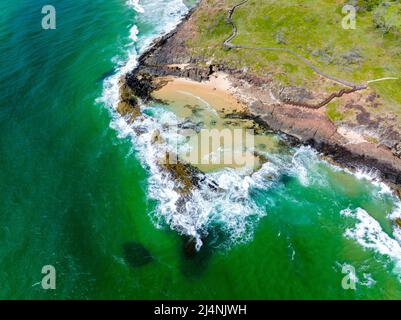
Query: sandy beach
x=216, y=93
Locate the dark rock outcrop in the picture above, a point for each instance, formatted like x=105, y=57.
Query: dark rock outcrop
x=128, y=104
x=136, y=255
x=313, y=128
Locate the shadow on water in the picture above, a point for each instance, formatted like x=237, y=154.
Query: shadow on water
x=194, y=263
x=106, y=75
x=136, y=255
x=286, y=179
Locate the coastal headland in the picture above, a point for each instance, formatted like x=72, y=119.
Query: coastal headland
x=337, y=117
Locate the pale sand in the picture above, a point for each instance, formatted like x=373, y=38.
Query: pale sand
x=216, y=93
x=214, y=98
x=352, y=136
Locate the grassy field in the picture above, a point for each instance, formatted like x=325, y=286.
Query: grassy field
x=314, y=30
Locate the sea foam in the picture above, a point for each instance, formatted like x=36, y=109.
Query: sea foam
x=233, y=208
x=370, y=235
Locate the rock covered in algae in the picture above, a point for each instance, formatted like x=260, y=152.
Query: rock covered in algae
x=128, y=104
x=185, y=174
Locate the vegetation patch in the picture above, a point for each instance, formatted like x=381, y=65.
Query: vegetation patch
x=332, y=113
x=313, y=30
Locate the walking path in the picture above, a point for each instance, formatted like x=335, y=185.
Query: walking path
x=227, y=43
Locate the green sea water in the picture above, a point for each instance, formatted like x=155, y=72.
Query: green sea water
x=75, y=192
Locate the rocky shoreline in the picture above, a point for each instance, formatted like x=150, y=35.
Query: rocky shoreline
x=267, y=103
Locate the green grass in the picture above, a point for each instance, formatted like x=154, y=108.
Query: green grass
x=391, y=93
x=311, y=29
x=332, y=113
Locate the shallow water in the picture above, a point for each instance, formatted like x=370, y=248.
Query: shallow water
x=80, y=192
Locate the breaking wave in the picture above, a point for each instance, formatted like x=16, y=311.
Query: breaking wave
x=370, y=235
x=232, y=208
x=158, y=17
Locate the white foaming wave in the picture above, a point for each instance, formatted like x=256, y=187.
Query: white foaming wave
x=235, y=207
x=133, y=33
x=164, y=19
x=163, y=16
x=373, y=177
x=122, y=127
x=306, y=157
x=368, y=280
x=368, y=174
x=231, y=208
x=370, y=235
x=397, y=233
x=161, y=186
x=264, y=177
x=136, y=5
x=302, y=165
x=396, y=214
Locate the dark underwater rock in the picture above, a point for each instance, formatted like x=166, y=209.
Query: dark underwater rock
x=190, y=125
x=136, y=255
x=190, y=248
x=195, y=262
x=286, y=179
